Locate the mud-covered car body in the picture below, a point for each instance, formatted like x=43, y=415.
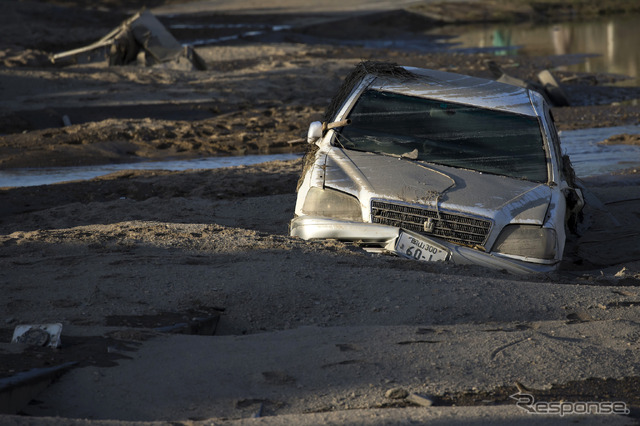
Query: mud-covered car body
x=438, y=166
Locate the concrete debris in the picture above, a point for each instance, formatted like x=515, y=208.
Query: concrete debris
x=141, y=40
x=552, y=88
x=421, y=400
x=396, y=393
x=547, y=85
x=38, y=334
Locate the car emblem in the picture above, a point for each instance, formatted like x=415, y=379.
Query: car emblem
x=428, y=225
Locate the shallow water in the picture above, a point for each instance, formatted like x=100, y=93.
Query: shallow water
x=49, y=175
x=238, y=31
x=588, y=159
x=609, y=45
x=605, y=45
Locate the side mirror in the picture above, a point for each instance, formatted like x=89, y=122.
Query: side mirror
x=315, y=132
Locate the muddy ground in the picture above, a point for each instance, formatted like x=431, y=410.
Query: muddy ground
x=312, y=331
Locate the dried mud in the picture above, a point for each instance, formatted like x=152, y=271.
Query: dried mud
x=161, y=245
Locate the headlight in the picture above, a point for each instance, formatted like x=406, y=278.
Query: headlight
x=332, y=203
x=527, y=241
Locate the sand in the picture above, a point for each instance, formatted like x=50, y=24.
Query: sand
x=307, y=332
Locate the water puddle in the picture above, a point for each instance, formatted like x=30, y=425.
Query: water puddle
x=598, y=46
x=590, y=159
x=605, y=44
x=239, y=31
x=47, y=176
x=202, y=321
x=587, y=156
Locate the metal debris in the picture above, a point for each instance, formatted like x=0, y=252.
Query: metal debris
x=142, y=40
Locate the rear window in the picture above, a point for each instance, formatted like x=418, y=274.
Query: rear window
x=447, y=133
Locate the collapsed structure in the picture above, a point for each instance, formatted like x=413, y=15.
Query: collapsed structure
x=141, y=40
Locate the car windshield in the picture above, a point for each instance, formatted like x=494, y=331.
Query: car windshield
x=446, y=133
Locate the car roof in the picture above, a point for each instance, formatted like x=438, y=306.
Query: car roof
x=458, y=88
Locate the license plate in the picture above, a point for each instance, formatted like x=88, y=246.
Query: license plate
x=416, y=247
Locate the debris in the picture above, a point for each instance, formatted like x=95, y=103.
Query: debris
x=522, y=388
x=364, y=68
x=66, y=121
x=422, y=400
x=195, y=322
x=396, y=393
x=197, y=326
x=552, y=88
x=16, y=391
x=38, y=334
x=548, y=86
x=502, y=77
x=142, y=40
x=260, y=410
x=621, y=139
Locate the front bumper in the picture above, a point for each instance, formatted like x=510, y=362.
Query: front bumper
x=383, y=238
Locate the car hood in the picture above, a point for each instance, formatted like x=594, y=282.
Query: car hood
x=369, y=175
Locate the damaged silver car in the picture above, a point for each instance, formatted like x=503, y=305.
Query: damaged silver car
x=437, y=166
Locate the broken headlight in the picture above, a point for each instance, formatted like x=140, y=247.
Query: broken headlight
x=527, y=241
x=332, y=203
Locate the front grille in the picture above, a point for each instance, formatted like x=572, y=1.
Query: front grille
x=456, y=228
